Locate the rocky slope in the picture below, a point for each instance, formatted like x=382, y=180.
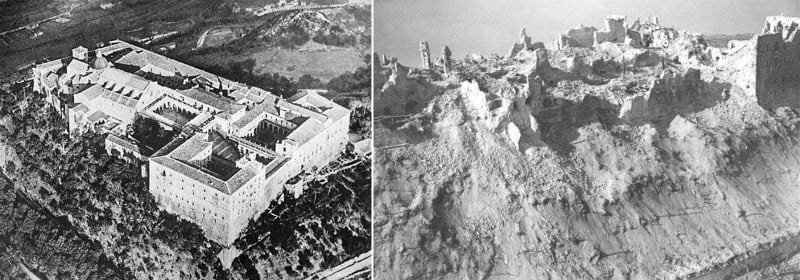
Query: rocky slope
x=640, y=164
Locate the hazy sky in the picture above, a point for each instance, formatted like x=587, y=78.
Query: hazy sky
x=485, y=27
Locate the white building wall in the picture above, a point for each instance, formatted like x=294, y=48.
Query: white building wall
x=252, y=200
x=192, y=200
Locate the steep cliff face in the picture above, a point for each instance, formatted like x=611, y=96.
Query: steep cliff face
x=701, y=183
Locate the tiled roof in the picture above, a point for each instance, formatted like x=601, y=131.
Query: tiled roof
x=119, y=98
x=302, y=110
x=108, y=97
x=363, y=146
x=306, y=131
x=80, y=109
x=224, y=148
x=89, y=94
x=122, y=78
x=252, y=94
x=51, y=80
x=314, y=102
x=242, y=177
x=211, y=99
x=96, y=116
x=77, y=67
x=190, y=148
x=141, y=57
x=254, y=112
x=52, y=65
x=122, y=142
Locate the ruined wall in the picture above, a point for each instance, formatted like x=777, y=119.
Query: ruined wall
x=673, y=90
x=672, y=94
x=536, y=90
x=781, y=25
x=662, y=37
x=577, y=37
x=585, y=37
x=634, y=39
x=777, y=71
x=425, y=53
x=524, y=42
x=447, y=60
x=615, y=31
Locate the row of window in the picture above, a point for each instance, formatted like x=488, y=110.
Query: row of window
x=188, y=206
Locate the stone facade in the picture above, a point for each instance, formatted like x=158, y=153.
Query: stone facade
x=425, y=53
x=778, y=63
x=524, y=42
x=580, y=36
x=615, y=31
x=447, y=60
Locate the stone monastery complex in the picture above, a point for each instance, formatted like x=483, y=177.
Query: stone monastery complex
x=235, y=146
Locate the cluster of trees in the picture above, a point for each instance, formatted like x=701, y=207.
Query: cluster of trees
x=362, y=14
x=244, y=71
x=360, y=80
x=150, y=134
x=336, y=36
x=328, y=224
x=361, y=121
x=290, y=37
x=105, y=196
x=308, y=81
x=45, y=246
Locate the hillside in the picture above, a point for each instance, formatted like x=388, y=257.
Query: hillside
x=320, y=43
x=206, y=33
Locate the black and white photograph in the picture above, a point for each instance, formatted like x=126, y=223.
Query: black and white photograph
x=185, y=139
x=400, y=139
x=586, y=139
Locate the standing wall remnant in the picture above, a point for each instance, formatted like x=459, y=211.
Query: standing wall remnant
x=447, y=60
x=615, y=31
x=535, y=93
x=781, y=25
x=426, y=55
x=523, y=43
x=670, y=94
x=778, y=64
x=580, y=36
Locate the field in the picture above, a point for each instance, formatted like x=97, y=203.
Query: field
x=218, y=36
x=323, y=65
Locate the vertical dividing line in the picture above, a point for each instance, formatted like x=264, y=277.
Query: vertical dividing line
x=372, y=132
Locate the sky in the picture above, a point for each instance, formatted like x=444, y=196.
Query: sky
x=487, y=27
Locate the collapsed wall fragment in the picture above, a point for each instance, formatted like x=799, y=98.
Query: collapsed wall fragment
x=778, y=63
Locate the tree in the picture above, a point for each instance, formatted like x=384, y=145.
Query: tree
x=150, y=133
x=308, y=81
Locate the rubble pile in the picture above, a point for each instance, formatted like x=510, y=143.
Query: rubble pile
x=645, y=155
